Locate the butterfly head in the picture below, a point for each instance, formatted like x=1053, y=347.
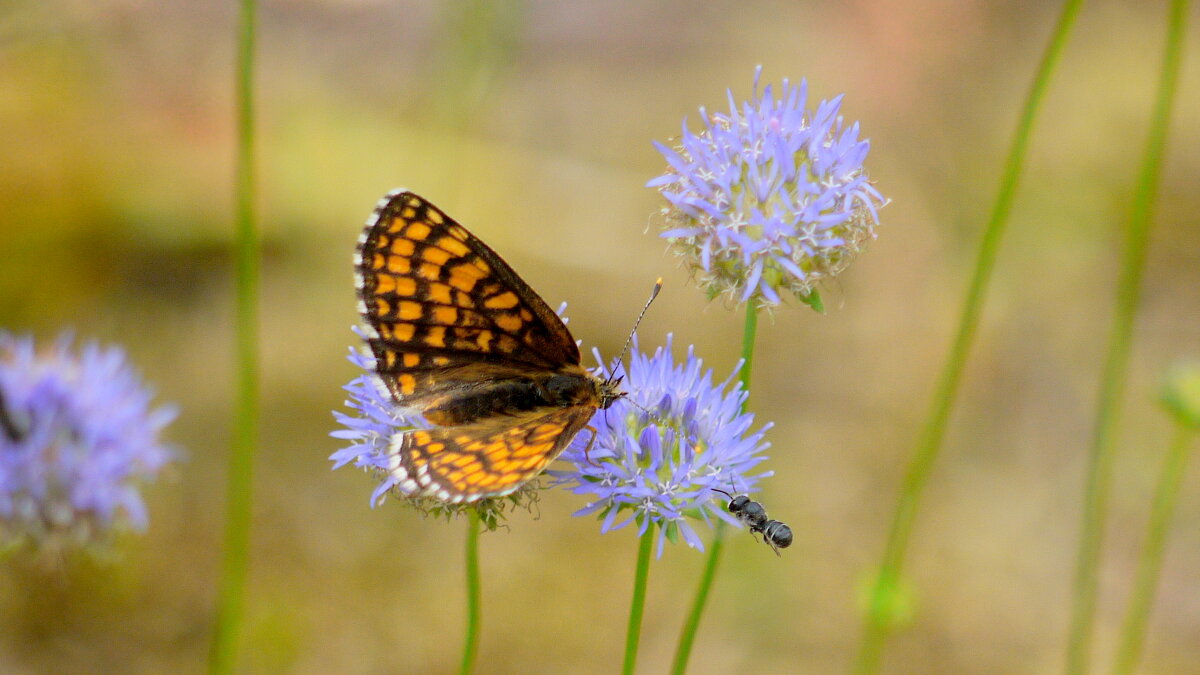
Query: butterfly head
x=608, y=391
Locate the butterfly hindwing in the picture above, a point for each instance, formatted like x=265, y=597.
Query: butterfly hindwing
x=492, y=457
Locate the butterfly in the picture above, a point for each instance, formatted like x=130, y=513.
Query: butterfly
x=460, y=340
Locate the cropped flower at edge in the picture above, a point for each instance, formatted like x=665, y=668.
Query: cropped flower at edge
x=78, y=435
x=769, y=197
x=664, y=466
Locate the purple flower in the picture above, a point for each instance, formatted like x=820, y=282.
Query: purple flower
x=768, y=197
x=660, y=453
x=78, y=435
x=375, y=421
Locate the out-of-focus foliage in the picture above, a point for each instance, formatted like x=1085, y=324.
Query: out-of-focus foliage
x=533, y=126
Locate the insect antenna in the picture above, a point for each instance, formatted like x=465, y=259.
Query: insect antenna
x=658, y=419
x=628, y=341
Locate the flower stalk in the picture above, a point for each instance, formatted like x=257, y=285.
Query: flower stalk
x=637, y=605
x=474, y=596
x=1133, y=632
x=883, y=595
x=1181, y=398
x=687, y=636
x=1116, y=365
x=234, y=567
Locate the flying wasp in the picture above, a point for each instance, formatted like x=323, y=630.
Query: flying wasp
x=775, y=534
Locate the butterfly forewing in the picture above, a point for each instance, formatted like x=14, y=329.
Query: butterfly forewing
x=436, y=298
x=459, y=337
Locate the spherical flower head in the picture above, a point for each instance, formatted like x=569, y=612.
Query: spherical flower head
x=370, y=426
x=78, y=436
x=768, y=197
x=661, y=453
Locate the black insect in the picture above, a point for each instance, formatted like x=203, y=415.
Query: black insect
x=7, y=425
x=776, y=534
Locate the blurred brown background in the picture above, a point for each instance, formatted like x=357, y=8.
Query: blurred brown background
x=531, y=123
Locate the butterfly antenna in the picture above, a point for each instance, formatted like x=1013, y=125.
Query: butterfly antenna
x=628, y=341
x=657, y=418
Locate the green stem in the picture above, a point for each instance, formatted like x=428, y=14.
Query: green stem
x=638, y=605
x=231, y=601
x=878, y=615
x=471, y=639
x=687, y=637
x=1142, y=599
x=1112, y=384
x=749, y=332
x=684, y=649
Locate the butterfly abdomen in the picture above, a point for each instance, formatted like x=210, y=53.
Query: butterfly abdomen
x=513, y=397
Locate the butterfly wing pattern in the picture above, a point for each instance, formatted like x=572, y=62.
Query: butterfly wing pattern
x=459, y=339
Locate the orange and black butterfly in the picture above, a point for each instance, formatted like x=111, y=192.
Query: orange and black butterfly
x=463, y=342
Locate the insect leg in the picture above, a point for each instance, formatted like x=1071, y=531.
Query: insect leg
x=589, y=446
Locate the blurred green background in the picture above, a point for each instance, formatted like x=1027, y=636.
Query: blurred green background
x=531, y=123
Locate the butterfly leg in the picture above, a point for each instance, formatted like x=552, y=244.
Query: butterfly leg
x=589, y=446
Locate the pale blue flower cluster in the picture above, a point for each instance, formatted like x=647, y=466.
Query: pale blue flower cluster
x=78, y=436
x=370, y=427
x=768, y=197
x=660, y=453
